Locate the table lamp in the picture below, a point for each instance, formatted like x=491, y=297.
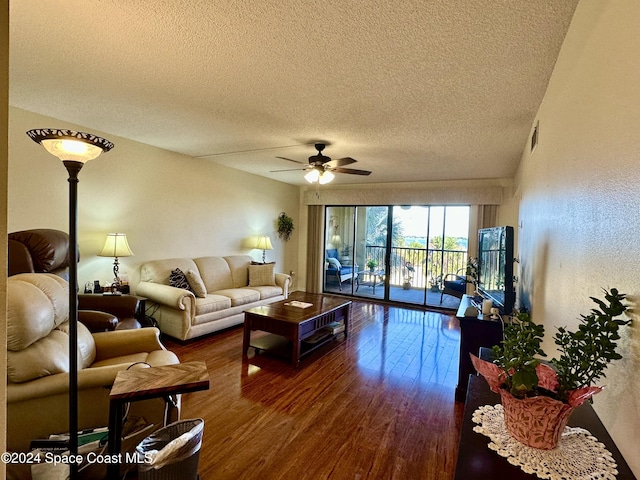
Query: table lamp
x=116, y=246
x=264, y=243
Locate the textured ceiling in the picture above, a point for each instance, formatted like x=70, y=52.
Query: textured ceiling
x=414, y=89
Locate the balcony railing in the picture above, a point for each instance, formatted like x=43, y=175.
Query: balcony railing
x=429, y=266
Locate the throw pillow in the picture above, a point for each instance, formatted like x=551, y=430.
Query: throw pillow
x=196, y=283
x=179, y=280
x=334, y=263
x=261, y=275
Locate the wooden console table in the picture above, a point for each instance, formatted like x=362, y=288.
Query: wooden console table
x=145, y=383
x=477, y=462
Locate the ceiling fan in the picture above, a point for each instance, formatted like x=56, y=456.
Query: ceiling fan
x=320, y=168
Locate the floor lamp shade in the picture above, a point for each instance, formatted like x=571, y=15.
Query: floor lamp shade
x=74, y=149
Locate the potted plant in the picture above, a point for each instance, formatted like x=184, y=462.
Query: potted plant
x=538, y=397
x=285, y=226
x=371, y=264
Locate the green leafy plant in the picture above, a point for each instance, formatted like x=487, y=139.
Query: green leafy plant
x=516, y=356
x=584, y=353
x=285, y=226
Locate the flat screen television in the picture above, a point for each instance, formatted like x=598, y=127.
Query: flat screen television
x=495, y=267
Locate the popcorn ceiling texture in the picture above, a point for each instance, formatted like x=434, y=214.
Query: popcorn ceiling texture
x=414, y=90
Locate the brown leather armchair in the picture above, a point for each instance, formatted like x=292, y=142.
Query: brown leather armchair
x=46, y=250
x=38, y=363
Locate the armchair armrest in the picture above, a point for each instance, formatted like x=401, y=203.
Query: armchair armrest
x=97, y=321
x=59, y=384
x=126, y=342
x=166, y=295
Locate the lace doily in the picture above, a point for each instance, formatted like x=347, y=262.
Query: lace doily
x=578, y=456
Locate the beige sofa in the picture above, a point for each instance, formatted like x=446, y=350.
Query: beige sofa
x=38, y=363
x=228, y=286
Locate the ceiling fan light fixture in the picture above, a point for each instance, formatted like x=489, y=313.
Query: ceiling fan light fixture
x=312, y=176
x=326, y=177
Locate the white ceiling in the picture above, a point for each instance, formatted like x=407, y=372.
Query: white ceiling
x=413, y=89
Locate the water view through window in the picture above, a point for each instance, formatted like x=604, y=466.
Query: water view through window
x=397, y=253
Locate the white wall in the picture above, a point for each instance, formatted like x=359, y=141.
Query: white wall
x=169, y=205
x=580, y=196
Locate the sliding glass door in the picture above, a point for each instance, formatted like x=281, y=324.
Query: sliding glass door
x=396, y=253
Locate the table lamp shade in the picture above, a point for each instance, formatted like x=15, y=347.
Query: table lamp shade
x=264, y=243
x=116, y=246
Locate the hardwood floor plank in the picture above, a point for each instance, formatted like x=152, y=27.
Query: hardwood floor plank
x=378, y=405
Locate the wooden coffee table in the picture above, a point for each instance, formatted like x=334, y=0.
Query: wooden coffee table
x=295, y=332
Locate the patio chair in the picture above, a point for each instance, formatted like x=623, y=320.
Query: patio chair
x=454, y=284
x=336, y=270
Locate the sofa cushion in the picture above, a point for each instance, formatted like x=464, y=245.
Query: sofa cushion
x=332, y=253
x=215, y=273
x=334, y=262
x=239, y=267
x=47, y=356
x=268, y=291
x=86, y=344
x=240, y=296
x=212, y=303
x=196, y=283
x=260, y=275
x=178, y=279
x=158, y=271
x=36, y=304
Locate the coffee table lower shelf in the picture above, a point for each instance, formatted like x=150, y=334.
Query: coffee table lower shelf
x=280, y=346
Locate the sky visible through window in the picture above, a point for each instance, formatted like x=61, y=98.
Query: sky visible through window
x=414, y=220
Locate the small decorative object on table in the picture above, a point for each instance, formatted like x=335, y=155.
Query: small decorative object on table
x=538, y=398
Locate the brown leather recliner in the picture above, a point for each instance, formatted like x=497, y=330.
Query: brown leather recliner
x=45, y=250
x=39, y=251
x=38, y=363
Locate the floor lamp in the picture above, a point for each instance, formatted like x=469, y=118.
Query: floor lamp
x=74, y=149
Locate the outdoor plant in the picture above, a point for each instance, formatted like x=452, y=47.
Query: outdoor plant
x=584, y=353
x=371, y=263
x=285, y=226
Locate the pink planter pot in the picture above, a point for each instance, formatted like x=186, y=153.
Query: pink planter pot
x=535, y=421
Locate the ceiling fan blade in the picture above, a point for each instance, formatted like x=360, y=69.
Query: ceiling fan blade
x=288, y=170
x=291, y=160
x=352, y=171
x=341, y=162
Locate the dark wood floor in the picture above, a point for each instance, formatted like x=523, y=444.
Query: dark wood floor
x=378, y=406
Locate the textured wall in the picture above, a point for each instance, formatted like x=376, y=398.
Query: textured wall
x=169, y=205
x=580, y=196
